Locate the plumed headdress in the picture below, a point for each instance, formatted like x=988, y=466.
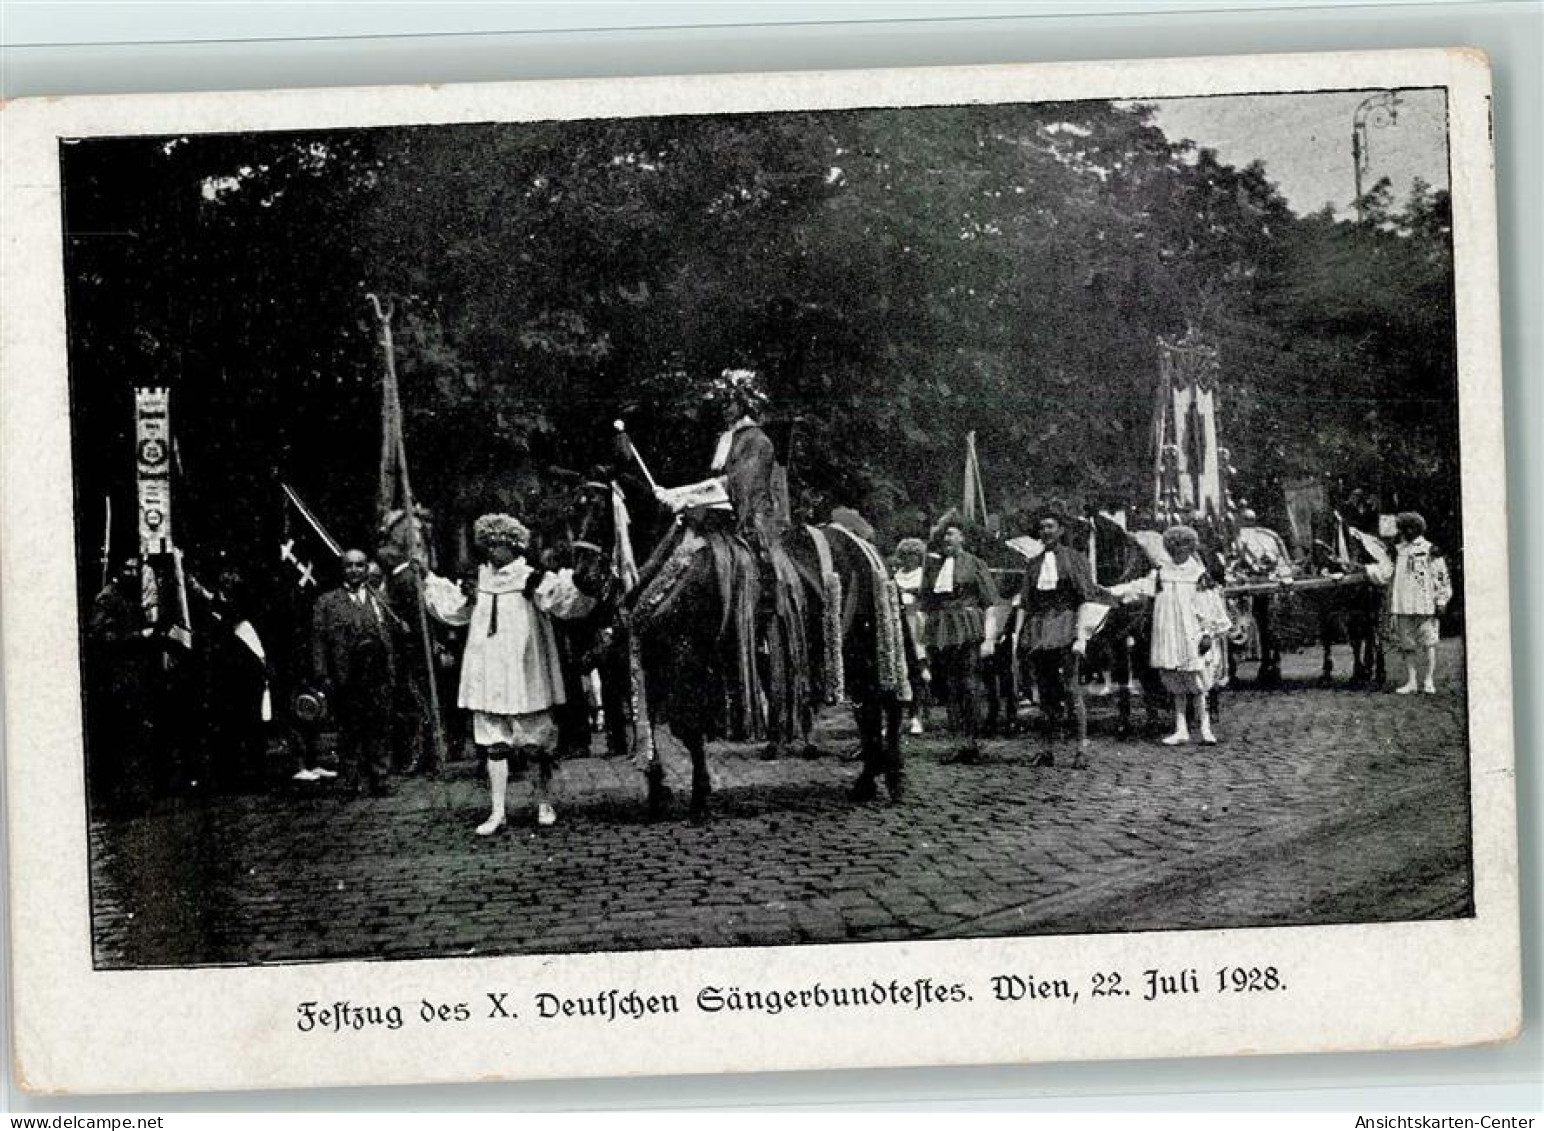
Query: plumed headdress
x=740, y=384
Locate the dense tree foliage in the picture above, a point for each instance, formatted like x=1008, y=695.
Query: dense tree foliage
x=899, y=277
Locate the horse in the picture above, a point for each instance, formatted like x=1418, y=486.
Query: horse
x=1124, y=640
x=689, y=630
x=1349, y=613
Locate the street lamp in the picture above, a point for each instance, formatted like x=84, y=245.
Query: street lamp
x=1379, y=110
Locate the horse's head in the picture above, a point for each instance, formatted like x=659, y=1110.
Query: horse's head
x=1119, y=556
x=591, y=525
x=590, y=517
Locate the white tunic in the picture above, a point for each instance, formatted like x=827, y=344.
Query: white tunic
x=1417, y=580
x=511, y=664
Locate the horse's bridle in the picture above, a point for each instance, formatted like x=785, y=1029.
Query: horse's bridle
x=581, y=540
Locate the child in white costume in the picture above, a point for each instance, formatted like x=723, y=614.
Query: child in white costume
x=1190, y=622
x=510, y=674
x=1418, y=591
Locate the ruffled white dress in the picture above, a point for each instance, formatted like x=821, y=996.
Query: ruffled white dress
x=1185, y=612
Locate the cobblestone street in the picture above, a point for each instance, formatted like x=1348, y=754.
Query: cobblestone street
x=1318, y=806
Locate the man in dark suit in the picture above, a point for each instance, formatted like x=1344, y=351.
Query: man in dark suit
x=351, y=652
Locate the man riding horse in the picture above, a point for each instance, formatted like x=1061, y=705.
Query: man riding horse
x=744, y=469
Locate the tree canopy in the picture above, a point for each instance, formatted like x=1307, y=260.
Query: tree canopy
x=898, y=277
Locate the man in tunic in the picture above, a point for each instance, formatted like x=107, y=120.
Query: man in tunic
x=1057, y=583
x=911, y=554
x=958, y=592
x=511, y=672
x=352, y=660
x=743, y=466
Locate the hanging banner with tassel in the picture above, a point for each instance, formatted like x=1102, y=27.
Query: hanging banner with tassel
x=152, y=458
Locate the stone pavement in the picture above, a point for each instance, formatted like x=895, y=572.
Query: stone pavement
x=1318, y=806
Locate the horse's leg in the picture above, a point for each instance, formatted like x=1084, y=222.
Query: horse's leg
x=1073, y=679
x=614, y=681
x=867, y=713
x=654, y=776
x=780, y=721
x=702, y=785
x=1052, y=704
x=994, y=707
x=895, y=770
x=1120, y=667
x=1356, y=637
x=1327, y=639
x=1269, y=674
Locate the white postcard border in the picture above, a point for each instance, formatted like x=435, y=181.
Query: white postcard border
x=1402, y=985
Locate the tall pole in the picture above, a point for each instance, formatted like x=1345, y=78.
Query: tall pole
x=383, y=316
x=1378, y=110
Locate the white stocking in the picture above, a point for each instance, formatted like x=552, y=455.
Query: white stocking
x=498, y=786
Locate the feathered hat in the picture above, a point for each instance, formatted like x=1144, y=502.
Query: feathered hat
x=743, y=385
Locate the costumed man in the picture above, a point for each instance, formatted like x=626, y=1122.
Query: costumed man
x=1262, y=556
x=352, y=660
x=1261, y=551
x=911, y=554
x=414, y=750
x=239, y=700
x=511, y=672
x=1054, y=633
x=957, y=594
x=744, y=468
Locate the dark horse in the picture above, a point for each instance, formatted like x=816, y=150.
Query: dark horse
x=680, y=622
x=1121, y=646
x=1349, y=612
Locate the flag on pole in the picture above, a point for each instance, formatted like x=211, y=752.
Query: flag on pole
x=973, y=507
x=306, y=549
x=392, y=490
x=1185, y=425
x=396, y=493
x=623, y=561
x=1306, y=503
x=1342, y=550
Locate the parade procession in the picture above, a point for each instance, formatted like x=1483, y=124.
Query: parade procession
x=779, y=528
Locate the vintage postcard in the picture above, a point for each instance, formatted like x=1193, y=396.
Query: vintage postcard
x=756, y=572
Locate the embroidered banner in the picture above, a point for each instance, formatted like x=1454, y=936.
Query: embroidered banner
x=152, y=455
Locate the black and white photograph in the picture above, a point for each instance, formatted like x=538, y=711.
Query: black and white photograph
x=895, y=521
